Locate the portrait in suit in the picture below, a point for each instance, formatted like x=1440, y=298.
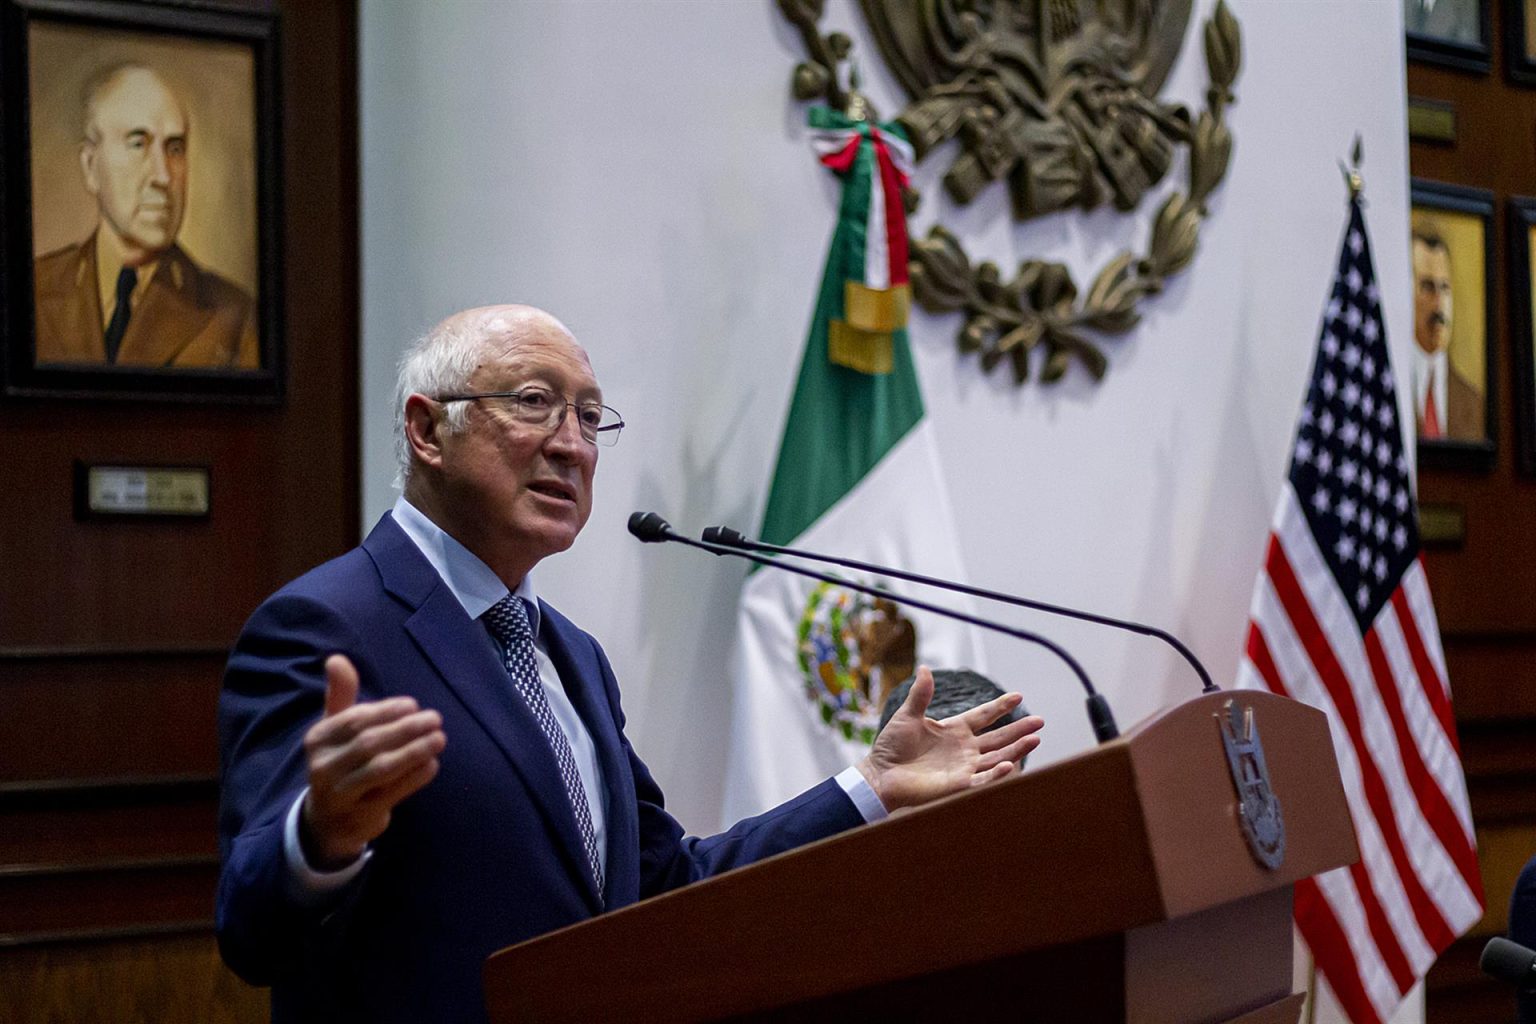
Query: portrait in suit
x=144, y=199
x=1449, y=326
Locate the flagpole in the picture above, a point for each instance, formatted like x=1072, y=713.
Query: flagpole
x=1311, y=987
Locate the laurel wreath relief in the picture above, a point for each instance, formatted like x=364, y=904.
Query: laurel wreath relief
x=1041, y=305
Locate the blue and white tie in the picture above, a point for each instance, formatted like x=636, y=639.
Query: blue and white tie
x=508, y=623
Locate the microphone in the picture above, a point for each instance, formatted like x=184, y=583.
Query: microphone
x=651, y=528
x=1511, y=962
x=728, y=537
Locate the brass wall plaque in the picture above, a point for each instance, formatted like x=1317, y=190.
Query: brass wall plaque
x=1431, y=121
x=1442, y=525
x=141, y=491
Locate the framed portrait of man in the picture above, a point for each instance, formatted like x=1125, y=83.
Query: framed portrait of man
x=1522, y=317
x=1520, y=41
x=1453, y=33
x=141, y=228
x=1450, y=373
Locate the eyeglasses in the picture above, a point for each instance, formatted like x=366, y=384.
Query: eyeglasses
x=540, y=407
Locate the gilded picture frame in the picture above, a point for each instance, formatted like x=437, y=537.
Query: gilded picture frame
x=1451, y=372
x=1521, y=222
x=140, y=230
x=1450, y=33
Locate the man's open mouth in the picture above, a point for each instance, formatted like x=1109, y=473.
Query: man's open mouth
x=553, y=489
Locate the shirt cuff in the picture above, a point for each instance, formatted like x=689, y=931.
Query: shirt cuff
x=308, y=885
x=862, y=794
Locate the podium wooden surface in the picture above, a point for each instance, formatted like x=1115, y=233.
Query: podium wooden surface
x=1115, y=885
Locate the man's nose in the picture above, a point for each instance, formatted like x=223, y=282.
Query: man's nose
x=567, y=431
x=159, y=166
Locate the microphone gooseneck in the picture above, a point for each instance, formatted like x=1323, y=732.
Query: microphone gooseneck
x=1099, y=715
x=732, y=538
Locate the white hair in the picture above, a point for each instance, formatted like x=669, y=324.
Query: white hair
x=438, y=363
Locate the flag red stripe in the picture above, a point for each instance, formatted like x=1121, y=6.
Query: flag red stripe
x=1432, y=801
x=1375, y=917
x=1310, y=632
x=1319, y=926
x=1429, y=677
x=843, y=158
x=1264, y=662
x=895, y=212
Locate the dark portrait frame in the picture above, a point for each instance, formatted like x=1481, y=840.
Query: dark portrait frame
x=1476, y=57
x=1521, y=221
x=1447, y=453
x=136, y=22
x=1519, y=60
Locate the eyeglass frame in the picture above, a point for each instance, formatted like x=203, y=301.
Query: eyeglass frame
x=556, y=422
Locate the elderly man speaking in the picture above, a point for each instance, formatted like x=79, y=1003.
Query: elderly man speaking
x=424, y=762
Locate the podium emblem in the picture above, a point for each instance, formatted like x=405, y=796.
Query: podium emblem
x=1258, y=809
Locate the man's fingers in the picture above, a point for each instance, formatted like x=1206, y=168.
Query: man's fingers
x=997, y=771
x=340, y=728
x=1012, y=752
x=983, y=715
x=340, y=684
x=378, y=784
x=336, y=765
x=1026, y=726
x=920, y=695
x=407, y=784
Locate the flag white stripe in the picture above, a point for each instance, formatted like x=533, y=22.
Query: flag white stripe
x=1338, y=888
x=1428, y=734
x=877, y=255
x=1301, y=681
x=1416, y=590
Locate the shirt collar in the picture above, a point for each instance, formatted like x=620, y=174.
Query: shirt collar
x=469, y=579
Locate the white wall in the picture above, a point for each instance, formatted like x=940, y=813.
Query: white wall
x=640, y=170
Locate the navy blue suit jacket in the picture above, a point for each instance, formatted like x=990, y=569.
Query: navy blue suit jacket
x=488, y=853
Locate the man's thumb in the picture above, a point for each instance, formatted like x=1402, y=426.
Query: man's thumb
x=920, y=694
x=340, y=684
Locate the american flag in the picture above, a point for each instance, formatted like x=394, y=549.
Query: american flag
x=1342, y=620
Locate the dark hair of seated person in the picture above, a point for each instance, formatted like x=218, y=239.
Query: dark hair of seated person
x=954, y=690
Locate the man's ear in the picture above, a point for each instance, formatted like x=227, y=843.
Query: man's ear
x=423, y=429
x=88, y=166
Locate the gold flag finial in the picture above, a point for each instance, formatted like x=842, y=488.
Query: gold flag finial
x=1351, y=171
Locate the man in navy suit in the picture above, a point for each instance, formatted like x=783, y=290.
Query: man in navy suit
x=423, y=762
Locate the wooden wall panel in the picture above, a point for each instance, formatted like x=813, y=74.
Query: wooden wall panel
x=113, y=635
x=170, y=979
x=1485, y=588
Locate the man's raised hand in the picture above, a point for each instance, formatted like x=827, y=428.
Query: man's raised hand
x=363, y=759
x=915, y=759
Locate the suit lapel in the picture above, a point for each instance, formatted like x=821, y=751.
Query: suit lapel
x=69, y=320
x=168, y=318
x=464, y=656
x=575, y=660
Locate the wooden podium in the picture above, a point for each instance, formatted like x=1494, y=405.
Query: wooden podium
x=1113, y=886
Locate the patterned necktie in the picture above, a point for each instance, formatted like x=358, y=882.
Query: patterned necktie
x=127, y=280
x=508, y=623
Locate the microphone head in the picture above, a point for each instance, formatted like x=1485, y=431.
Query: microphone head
x=724, y=536
x=649, y=527
x=1509, y=961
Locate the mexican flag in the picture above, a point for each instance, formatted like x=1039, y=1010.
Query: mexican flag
x=857, y=476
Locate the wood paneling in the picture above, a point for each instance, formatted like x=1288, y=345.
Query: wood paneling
x=113, y=634
x=165, y=979
x=1485, y=589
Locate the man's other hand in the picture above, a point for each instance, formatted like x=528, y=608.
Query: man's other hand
x=363, y=760
x=915, y=759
